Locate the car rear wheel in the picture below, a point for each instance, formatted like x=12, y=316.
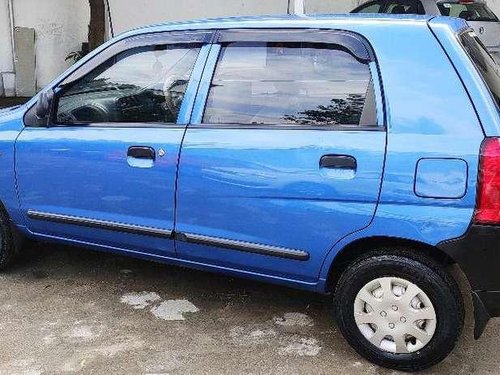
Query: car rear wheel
x=399, y=310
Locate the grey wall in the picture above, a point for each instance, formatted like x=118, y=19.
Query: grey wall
x=495, y=6
x=7, y=79
x=60, y=27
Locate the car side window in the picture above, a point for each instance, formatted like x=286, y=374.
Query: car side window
x=405, y=7
x=484, y=62
x=370, y=7
x=140, y=85
x=294, y=84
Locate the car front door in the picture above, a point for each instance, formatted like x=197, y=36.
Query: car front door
x=102, y=170
x=285, y=152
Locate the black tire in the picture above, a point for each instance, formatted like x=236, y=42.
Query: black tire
x=422, y=271
x=8, y=243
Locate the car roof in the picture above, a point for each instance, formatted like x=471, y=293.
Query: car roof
x=283, y=21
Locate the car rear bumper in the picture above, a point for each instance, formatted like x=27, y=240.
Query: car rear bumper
x=478, y=254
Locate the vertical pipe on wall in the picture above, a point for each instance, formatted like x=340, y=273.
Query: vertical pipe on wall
x=12, y=26
x=299, y=7
x=110, y=20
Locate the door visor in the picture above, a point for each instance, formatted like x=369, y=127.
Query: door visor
x=351, y=42
x=195, y=38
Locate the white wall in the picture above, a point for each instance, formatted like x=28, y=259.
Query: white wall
x=128, y=14
x=330, y=6
x=60, y=27
x=7, y=83
x=5, y=39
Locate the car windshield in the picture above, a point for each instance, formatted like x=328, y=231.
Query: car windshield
x=469, y=11
x=484, y=62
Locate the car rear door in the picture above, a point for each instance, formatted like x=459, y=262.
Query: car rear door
x=284, y=153
x=102, y=171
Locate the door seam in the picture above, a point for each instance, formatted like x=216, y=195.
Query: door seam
x=179, y=153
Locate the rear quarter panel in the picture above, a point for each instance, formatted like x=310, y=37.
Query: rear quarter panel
x=429, y=115
x=477, y=89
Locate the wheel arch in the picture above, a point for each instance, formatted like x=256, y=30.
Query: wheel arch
x=362, y=246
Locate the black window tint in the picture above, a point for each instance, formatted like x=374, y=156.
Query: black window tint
x=371, y=7
x=291, y=84
x=405, y=7
x=484, y=62
x=141, y=85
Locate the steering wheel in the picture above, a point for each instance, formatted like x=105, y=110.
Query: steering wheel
x=90, y=114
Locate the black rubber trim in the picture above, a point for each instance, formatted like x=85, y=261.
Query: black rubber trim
x=478, y=255
x=101, y=224
x=339, y=127
x=247, y=247
x=481, y=315
x=163, y=233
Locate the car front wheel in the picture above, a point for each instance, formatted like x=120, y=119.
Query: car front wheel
x=399, y=310
x=8, y=246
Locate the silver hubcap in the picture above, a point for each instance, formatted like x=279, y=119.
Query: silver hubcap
x=395, y=315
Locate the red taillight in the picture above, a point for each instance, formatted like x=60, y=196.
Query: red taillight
x=488, y=200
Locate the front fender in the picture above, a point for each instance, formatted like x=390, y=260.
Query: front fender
x=11, y=125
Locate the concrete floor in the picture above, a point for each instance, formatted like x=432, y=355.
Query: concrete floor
x=68, y=310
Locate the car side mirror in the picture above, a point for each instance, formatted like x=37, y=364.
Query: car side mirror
x=44, y=105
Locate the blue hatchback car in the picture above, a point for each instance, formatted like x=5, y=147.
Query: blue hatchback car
x=351, y=155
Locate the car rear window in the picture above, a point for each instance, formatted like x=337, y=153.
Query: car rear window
x=484, y=62
x=468, y=10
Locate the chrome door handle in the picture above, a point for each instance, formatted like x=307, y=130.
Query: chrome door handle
x=141, y=152
x=338, y=162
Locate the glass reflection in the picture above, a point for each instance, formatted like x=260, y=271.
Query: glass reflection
x=287, y=83
x=145, y=84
